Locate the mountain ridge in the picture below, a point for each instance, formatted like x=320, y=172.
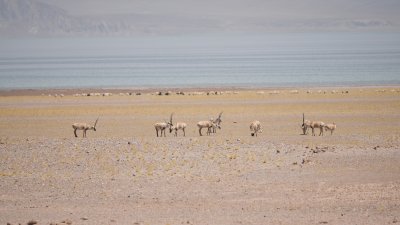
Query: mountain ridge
x=35, y=18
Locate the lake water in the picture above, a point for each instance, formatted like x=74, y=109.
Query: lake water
x=269, y=60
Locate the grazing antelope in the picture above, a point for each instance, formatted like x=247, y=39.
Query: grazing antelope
x=162, y=126
x=84, y=127
x=317, y=124
x=209, y=124
x=331, y=127
x=306, y=124
x=255, y=127
x=217, y=122
x=178, y=126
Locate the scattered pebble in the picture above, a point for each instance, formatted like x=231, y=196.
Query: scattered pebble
x=69, y=222
x=32, y=222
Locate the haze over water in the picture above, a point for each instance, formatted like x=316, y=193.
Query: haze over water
x=268, y=60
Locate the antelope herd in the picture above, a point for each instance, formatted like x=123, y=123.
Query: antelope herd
x=317, y=125
x=212, y=125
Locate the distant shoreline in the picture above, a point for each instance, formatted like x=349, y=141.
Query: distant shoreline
x=146, y=90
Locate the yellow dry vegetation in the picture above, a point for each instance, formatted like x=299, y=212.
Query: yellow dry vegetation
x=125, y=116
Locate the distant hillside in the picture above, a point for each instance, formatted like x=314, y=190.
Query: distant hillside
x=27, y=17
x=35, y=18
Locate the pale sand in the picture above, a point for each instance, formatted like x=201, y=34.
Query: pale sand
x=279, y=177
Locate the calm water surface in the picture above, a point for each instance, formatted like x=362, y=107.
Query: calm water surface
x=327, y=59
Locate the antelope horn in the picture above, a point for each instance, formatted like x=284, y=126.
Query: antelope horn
x=303, y=118
x=96, y=122
x=220, y=114
x=170, y=118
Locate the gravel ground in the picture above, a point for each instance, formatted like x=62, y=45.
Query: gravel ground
x=123, y=174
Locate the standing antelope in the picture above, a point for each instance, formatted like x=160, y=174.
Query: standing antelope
x=330, y=126
x=162, y=126
x=317, y=124
x=217, y=122
x=306, y=124
x=84, y=127
x=209, y=124
x=178, y=126
x=255, y=127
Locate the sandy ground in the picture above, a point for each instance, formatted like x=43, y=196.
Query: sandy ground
x=280, y=177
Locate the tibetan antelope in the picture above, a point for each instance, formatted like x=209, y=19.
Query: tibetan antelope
x=317, y=124
x=162, y=126
x=331, y=127
x=255, y=128
x=306, y=124
x=84, y=127
x=217, y=122
x=178, y=126
x=209, y=124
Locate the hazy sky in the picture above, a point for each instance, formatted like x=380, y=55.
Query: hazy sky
x=275, y=9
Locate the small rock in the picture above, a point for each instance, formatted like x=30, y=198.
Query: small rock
x=32, y=222
x=69, y=222
x=84, y=218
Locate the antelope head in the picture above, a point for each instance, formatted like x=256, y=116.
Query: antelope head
x=217, y=126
